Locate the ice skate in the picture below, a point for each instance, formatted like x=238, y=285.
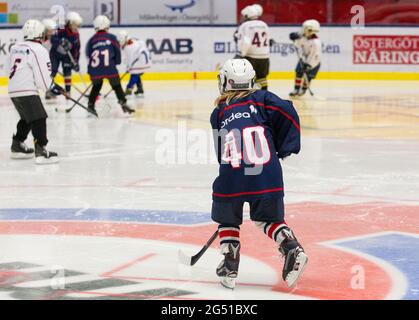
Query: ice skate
x=49, y=95
x=139, y=93
x=294, y=93
x=295, y=262
x=43, y=156
x=128, y=92
x=20, y=150
x=228, y=268
x=92, y=110
x=126, y=108
x=295, y=258
x=302, y=92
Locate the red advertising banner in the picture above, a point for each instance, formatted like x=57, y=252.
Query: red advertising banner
x=387, y=49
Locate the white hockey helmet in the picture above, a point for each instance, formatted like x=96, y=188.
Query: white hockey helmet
x=74, y=18
x=259, y=9
x=236, y=74
x=49, y=24
x=122, y=37
x=311, y=26
x=33, y=30
x=101, y=23
x=250, y=13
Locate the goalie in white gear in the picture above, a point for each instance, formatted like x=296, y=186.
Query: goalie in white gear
x=244, y=117
x=137, y=59
x=309, y=47
x=253, y=42
x=29, y=71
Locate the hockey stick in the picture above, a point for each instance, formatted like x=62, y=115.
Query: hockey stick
x=110, y=91
x=74, y=63
x=191, y=260
x=122, y=77
x=300, y=62
x=78, y=103
x=75, y=87
x=305, y=76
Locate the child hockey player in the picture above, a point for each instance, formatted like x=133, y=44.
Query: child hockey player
x=252, y=129
x=309, y=47
x=137, y=59
x=30, y=70
x=50, y=29
x=253, y=42
x=65, y=49
x=243, y=18
x=104, y=54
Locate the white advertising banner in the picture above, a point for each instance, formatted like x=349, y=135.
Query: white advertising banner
x=196, y=12
x=187, y=49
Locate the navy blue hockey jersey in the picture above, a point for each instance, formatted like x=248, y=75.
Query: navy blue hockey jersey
x=250, y=134
x=73, y=38
x=104, y=54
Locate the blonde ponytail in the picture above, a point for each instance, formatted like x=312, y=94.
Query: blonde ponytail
x=232, y=95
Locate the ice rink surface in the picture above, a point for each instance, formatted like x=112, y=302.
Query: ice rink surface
x=108, y=220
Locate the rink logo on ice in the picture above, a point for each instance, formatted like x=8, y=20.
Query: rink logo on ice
x=387, y=49
x=394, y=251
x=28, y=281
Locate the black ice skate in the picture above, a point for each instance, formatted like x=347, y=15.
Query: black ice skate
x=21, y=150
x=49, y=95
x=42, y=156
x=295, y=93
x=92, y=109
x=295, y=258
x=139, y=93
x=302, y=92
x=228, y=268
x=128, y=91
x=126, y=108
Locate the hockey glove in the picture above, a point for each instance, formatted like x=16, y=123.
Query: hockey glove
x=65, y=44
x=76, y=67
x=56, y=89
x=295, y=36
x=306, y=67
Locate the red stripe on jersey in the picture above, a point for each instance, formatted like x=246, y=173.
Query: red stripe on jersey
x=116, y=44
x=247, y=193
x=39, y=66
x=241, y=104
x=105, y=76
x=285, y=114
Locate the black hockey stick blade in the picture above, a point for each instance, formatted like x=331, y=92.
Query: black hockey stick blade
x=77, y=101
x=77, y=88
x=191, y=260
x=122, y=77
x=79, y=104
